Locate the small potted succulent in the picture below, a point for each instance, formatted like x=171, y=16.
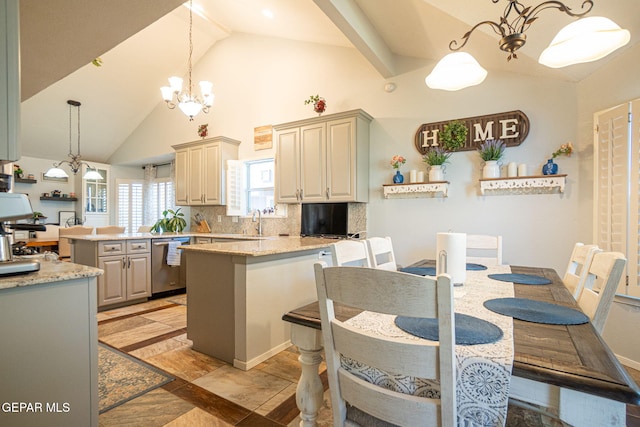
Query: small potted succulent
x=436, y=158
x=491, y=151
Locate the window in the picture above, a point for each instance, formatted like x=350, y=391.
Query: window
x=129, y=204
x=250, y=186
x=136, y=207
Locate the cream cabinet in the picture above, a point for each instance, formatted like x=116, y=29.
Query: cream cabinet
x=201, y=170
x=126, y=265
x=324, y=159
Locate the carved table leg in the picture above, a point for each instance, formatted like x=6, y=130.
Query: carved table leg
x=310, y=390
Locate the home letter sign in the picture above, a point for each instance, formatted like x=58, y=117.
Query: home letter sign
x=511, y=127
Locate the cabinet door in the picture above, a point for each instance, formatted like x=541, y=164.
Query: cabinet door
x=341, y=160
x=138, y=276
x=195, y=192
x=112, y=284
x=287, y=165
x=95, y=197
x=212, y=174
x=313, y=161
x=182, y=176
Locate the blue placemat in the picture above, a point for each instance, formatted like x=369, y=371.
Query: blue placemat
x=536, y=311
x=469, y=330
x=521, y=279
x=431, y=271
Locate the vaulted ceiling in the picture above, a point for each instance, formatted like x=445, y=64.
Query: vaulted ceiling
x=142, y=42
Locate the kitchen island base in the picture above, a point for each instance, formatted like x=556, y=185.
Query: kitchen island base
x=236, y=302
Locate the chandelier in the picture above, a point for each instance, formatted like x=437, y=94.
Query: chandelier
x=188, y=103
x=584, y=40
x=76, y=160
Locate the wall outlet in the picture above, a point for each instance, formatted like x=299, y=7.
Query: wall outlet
x=219, y=218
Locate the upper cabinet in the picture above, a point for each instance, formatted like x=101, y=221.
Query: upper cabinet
x=201, y=170
x=323, y=159
x=94, y=194
x=9, y=80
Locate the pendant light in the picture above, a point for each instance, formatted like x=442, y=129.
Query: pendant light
x=188, y=103
x=76, y=160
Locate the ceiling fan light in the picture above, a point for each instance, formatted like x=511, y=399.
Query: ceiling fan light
x=56, y=172
x=190, y=107
x=456, y=71
x=584, y=40
x=92, y=174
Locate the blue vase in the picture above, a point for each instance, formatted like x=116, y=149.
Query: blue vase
x=398, y=178
x=550, y=168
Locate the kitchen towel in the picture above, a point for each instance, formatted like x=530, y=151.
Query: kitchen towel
x=451, y=256
x=173, y=253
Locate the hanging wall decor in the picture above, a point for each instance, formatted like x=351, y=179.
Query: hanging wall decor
x=512, y=127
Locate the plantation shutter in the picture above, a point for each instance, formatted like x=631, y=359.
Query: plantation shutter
x=129, y=205
x=236, y=191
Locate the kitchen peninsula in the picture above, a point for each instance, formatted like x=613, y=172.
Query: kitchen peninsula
x=238, y=291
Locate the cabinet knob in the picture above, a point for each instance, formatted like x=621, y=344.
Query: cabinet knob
x=124, y=263
x=327, y=192
x=301, y=195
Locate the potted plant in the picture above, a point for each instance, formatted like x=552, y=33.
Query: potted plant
x=453, y=136
x=396, y=162
x=436, y=158
x=491, y=151
x=319, y=104
x=551, y=168
x=175, y=223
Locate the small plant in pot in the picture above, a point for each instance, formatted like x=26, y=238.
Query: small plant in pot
x=176, y=223
x=491, y=151
x=436, y=158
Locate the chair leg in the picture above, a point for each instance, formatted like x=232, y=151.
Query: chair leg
x=548, y=417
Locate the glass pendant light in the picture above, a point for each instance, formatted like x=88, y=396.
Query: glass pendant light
x=456, y=71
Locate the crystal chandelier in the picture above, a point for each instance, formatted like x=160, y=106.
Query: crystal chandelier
x=76, y=160
x=584, y=40
x=188, y=103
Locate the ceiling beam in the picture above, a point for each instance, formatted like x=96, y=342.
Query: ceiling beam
x=354, y=24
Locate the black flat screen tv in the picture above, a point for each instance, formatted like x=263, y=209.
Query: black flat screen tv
x=324, y=219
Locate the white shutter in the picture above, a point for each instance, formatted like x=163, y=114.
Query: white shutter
x=122, y=203
x=633, y=254
x=236, y=188
x=136, y=218
x=129, y=204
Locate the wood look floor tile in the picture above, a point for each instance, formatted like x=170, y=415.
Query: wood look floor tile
x=198, y=418
x=249, y=389
x=284, y=365
x=185, y=363
x=174, y=316
x=255, y=420
x=123, y=325
x=209, y=402
x=137, y=308
x=277, y=400
x=145, y=353
x=134, y=335
x=156, y=408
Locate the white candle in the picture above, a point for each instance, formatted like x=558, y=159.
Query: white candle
x=413, y=175
x=451, y=256
x=420, y=176
x=522, y=169
x=512, y=169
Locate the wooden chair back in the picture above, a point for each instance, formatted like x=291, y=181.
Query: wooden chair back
x=578, y=267
x=110, y=229
x=51, y=232
x=64, y=247
x=350, y=253
x=484, y=249
x=605, y=273
x=145, y=228
x=381, y=253
x=395, y=293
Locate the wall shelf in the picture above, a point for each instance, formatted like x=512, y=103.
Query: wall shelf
x=25, y=180
x=60, y=199
x=542, y=184
x=415, y=190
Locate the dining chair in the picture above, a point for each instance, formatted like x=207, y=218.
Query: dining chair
x=352, y=253
x=484, y=249
x=145, y=228
x=381, y=253
x=604, y=276
x=110, y=229
x=64, y=247
x=397, y=293
x=578, y=267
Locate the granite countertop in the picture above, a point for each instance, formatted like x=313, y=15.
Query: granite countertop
x=269, y=246
x=134, y=236
x=50, y=271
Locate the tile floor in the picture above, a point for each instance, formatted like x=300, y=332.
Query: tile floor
x=209, y=392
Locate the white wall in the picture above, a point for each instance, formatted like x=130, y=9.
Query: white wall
x=260, y=81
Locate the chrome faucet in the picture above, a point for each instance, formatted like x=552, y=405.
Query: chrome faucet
x=259, y=227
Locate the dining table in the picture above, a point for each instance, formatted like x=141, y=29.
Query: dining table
x=566, y=370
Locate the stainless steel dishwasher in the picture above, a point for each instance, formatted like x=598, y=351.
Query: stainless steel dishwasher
x=166, y=277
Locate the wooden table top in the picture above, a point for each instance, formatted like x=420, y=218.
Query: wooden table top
x=571, y=356
x=42, y=242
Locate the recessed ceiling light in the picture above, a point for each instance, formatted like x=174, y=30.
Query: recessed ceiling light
x=267, y=13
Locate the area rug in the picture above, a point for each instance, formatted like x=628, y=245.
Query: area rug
x=122, y=378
